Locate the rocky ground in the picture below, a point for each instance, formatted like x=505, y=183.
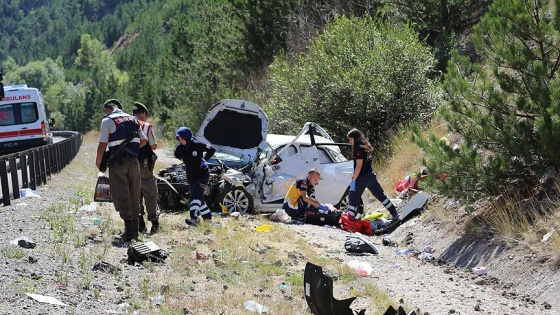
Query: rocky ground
x=62, y=265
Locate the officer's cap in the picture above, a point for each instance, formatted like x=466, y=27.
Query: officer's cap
x=139, y=107
x=112, y=102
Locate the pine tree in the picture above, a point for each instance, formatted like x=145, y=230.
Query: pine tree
x=505, y=108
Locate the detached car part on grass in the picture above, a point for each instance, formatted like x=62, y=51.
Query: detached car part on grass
x=253, y=170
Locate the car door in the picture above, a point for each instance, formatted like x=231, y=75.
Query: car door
x=335, y=176
x=280, y=176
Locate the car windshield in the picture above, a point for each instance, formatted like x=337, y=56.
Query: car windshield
x=228, y=160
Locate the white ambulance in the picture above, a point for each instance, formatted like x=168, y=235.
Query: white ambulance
x=23, y=119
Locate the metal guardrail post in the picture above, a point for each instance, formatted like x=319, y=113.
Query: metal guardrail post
x=24, y=173
x=48, y=160
x=34, y=169
x=42, y=166
x=4, y=183
x=14, y=176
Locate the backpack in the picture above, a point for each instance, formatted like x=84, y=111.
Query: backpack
x=351, y=224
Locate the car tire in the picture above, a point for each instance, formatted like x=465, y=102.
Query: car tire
x=236, y=199
x=345, y=200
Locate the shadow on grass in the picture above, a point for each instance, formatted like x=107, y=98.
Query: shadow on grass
x=472, y=250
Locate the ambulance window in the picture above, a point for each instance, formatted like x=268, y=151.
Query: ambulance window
x=7, y=115
x=28, y=113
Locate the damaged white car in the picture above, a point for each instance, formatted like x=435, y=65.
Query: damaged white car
x=252, y=170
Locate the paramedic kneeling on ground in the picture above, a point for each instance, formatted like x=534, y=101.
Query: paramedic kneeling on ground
x=301, y=196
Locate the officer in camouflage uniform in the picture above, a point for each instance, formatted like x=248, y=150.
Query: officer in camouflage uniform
x=124, y=172
x=147, y=159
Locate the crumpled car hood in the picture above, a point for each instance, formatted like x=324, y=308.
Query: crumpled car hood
x=235, y=127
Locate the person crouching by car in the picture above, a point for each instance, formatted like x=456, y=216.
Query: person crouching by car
x=301, y=196
x=190, y=151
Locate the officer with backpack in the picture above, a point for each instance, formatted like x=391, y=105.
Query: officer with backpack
x=120, y=133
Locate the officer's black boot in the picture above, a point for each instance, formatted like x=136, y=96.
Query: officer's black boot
x=155, y=227
x=130, y=231
x=135, y=230
x=141, y=225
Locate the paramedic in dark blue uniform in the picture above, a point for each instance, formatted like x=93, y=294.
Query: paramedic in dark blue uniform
x=364, y=176
x=147, y=159
x=124, y=172
x=191, y=152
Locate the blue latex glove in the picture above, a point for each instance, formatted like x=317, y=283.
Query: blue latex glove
x=203, y=163
x=353, y=185
x=323, y=208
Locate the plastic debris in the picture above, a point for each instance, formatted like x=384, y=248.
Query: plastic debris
x=429, y=249
x=283, y=287
x=280, y=216
x=547, y=236
x=90, y=220
x=24, y=242
x=89, y=208
x=253, y=306
x=263, y=228
x=158, y=300
x=28, y=192
x=45, y=299
x=405, y=251
x=363, y=268
x=479, y=271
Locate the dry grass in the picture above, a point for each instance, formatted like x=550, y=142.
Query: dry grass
x=524, y=221
x=216, y=267
x=406, y=158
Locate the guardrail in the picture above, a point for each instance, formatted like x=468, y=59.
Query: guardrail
x=31, y=168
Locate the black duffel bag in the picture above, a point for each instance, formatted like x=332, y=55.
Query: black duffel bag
x=315, y=217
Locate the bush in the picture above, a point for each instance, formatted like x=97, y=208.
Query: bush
x=359, y=73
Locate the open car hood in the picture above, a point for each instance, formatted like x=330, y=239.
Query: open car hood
x=235, y=127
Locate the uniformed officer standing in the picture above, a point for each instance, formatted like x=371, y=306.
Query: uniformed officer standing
x=147, y=159
x=124, y=172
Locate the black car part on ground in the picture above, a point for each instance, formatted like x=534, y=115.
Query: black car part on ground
x=318, y=289
x=173, y=190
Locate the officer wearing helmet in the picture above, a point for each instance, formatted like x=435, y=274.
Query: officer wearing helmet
x=121, y=135
x=147, y=159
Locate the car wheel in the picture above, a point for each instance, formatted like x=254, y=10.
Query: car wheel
x=236, y=199
x=343, y=204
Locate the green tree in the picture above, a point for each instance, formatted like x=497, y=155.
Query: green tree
x=440, y=22
x=206, y=59
x=505, y=109
x=358, y=73
x=99, y=73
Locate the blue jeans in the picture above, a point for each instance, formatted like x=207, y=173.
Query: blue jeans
x=370, y=182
